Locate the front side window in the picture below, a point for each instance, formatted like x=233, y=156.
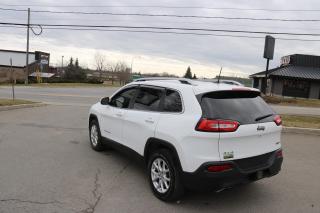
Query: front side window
x=148, y=99
x=123, y=98
x=172, y=101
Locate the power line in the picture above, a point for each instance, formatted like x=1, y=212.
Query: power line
x=162, y=6
x=167, y=32
x=163, y=28
x=179, y=28
x=177, y=33
x=164, y=15
x=11, y=9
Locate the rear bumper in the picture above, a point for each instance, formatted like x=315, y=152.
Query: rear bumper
x=243, y=171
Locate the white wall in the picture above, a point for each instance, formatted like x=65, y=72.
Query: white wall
x=18, y=59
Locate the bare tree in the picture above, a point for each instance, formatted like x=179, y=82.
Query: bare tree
x=122, y=70
x=100, y=61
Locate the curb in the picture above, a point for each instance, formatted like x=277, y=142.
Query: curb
x=21, y=106
x=298, y=130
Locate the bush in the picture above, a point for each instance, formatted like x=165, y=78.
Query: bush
x=94, y=81
x=64, y=80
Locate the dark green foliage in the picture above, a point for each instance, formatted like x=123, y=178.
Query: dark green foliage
x=188, y=73
x=74, y=73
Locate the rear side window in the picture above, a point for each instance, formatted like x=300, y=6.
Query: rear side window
x=148, y=99
x=242, y=106
x=172, y=101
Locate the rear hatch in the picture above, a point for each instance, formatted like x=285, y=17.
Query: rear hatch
x=256, y=128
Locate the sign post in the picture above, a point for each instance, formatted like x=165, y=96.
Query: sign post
x=268, y=54
x=12, y=79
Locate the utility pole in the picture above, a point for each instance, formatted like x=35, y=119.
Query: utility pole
x=27, y=52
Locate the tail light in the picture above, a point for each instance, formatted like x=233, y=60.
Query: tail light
x=279, y=154
x=207, y=125
x=277, y=120
x=219, y=168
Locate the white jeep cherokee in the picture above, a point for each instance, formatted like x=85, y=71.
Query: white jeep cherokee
x=191, y=134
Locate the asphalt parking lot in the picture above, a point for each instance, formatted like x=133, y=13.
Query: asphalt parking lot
x=47, y=165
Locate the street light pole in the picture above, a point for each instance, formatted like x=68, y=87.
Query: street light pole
x=27, y=52
x=62, y=62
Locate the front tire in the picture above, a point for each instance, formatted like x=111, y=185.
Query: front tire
x=164, y=176
x=95, y=136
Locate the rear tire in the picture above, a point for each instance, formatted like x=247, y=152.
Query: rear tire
x=95, y=136
x=164, y=176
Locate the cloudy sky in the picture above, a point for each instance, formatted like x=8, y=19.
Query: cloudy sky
x=171, y=53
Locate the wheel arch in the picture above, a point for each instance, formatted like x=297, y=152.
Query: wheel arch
x=93, y=117
x=156, y=144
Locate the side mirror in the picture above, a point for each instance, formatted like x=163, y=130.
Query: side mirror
x=105, y=101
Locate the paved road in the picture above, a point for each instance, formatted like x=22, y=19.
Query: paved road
x=81, y=96
x=47, y=165
x=88, y=96
x=292, y=110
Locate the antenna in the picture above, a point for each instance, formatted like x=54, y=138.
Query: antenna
x=219, y=75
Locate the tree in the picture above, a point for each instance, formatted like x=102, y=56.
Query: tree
x=76, y=63
x=74, y=73
x=188, y=73
x=71, y=62
x=194, y=76
x=100, y=61
x=123, y=71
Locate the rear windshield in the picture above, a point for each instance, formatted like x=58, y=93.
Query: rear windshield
x=242, y=106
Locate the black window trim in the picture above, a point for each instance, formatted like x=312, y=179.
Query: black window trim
x=164, y=90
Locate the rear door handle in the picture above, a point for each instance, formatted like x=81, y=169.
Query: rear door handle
x=149, y=120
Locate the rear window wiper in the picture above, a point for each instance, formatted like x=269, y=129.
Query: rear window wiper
x=263, y=117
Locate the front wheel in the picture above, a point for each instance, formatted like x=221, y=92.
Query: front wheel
x=95, y=136
x=164, y=176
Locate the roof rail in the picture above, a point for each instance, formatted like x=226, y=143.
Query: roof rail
x=181, y=80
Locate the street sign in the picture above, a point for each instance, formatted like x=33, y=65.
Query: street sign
x=269, y=47
x=44, y=61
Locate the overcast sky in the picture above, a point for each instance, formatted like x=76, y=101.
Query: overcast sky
x=165, y=52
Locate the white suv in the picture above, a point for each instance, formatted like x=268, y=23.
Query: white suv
x=191, y=134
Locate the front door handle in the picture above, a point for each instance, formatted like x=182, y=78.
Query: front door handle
x=119, y=114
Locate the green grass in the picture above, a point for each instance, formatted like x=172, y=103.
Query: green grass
x=10, y=102
x=301, y=121
x=292, y=101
